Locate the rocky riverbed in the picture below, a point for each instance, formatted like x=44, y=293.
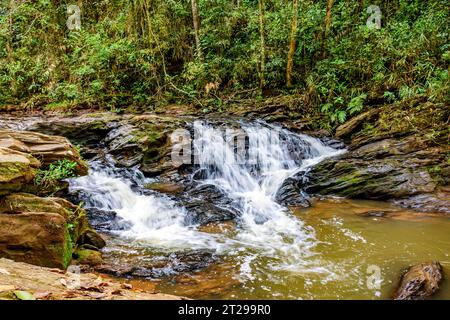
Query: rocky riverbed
x=405, y=164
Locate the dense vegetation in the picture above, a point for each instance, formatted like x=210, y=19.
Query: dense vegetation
x=215, y=53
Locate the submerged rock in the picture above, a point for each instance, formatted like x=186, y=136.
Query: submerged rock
x=420, y=281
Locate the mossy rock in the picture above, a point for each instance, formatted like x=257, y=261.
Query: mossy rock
x=17, y=169
x=88, y=256
x=73, y=230
x=144, y=141
x=38, y=238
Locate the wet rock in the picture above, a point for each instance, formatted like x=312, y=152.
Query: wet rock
x=290, y=193
x=90, y=237
x=168, y=188
x=200, y=174
x=383, y=169
x=375, y=214
x=43, y=231
x=206, y=203
x=203, y=213
x=161, y=266
x=333, y=143
x=144, y=141
x=106, y=221
x=430, y=202
x=123, y=146
x=420, y=281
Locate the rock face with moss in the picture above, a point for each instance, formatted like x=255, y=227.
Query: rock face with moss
x=384, y=169
x=17, y=169
x=144, y=141
x=131, y=140
x=42, y=231
x=395, y=152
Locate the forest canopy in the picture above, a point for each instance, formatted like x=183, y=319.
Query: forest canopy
x=212, y=52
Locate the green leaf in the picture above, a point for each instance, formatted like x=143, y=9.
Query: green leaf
x=24, y=295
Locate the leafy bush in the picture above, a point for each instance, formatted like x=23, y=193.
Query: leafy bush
x=142, y=52
x=49, y=181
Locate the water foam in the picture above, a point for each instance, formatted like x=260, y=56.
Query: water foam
x=265, y=228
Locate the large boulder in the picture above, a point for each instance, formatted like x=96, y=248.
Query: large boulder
x=43, y=231
x=419, y=281
x=397, y=151
x=144, y=141
x=39, y=238
x=290, y=193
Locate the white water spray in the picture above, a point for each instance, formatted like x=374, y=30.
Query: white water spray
x=265, y=228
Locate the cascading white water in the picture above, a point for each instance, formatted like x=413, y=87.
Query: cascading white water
x=265, y=228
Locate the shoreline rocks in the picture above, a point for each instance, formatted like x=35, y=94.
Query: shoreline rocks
x=396, y=152
x=42, y=283
x=47, y=149
x=45, y=231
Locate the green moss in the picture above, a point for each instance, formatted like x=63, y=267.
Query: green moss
x=68, y=248
x=88, y=256
x=12, y=170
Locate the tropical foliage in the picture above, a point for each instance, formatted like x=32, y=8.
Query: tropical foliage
x=148, y=52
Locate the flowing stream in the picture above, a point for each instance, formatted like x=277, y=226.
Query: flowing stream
x=267, y=244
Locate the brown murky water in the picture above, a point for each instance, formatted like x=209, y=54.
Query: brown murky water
x=358, y=256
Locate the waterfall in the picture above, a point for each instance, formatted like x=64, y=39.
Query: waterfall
x=248, y=172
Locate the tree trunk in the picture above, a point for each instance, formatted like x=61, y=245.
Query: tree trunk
x=327, y=27
x=10, y=29
x=9, y=44
x=328, y=18
x=262, y=66
x=196, y=20
x=292, y=44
